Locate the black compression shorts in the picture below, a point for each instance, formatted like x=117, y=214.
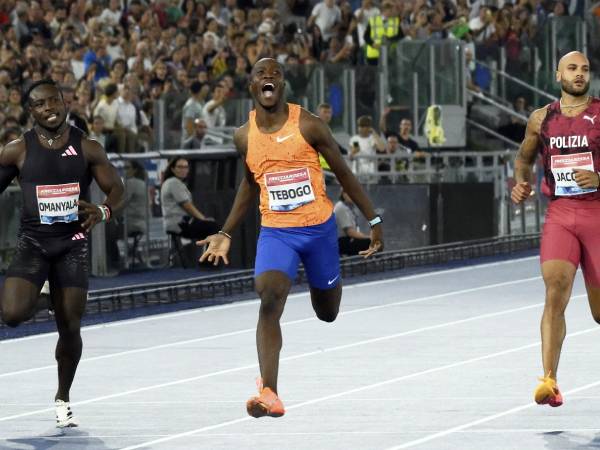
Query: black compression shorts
x=63, y=260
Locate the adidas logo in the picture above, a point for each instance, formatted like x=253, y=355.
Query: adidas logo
x=70, y=151
x=78, y=237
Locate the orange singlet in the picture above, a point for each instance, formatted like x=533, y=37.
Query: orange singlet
x=287, y=169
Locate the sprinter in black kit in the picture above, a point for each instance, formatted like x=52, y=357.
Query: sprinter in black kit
x=55, y=164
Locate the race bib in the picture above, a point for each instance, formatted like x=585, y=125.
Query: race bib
x=289, y=190
x=58, y=203
x=562, y=168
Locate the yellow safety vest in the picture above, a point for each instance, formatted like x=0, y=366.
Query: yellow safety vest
x=379, y=30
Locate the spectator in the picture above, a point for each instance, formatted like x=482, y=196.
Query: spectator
x=338, y=52
x=126, y=122
x=383, y=29
x=363, y=15
x=9, y=134
x=404, y=136
x=73, y=116
x=97, y=131
x=326, y=15
x=196, y=140
x=180, y=216
x=142, y=55
x=97, y=57
x=366, y=143
x=192, y=109
x=515, y=128
x=214, y=112
x=108, y=108
x=350, y=240
x=111, y=16
x=136, y=198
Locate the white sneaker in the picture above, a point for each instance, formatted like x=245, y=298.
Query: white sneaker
x=64, y=415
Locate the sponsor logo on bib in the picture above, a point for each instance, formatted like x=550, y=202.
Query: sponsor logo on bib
x=289, y=190
x=562, y=168
x=58, y=203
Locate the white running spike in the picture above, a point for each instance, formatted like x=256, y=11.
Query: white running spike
x=64, y=415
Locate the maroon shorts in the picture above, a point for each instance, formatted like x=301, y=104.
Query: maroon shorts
x=572, y=233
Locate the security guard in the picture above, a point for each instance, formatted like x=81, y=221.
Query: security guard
x=381, y=30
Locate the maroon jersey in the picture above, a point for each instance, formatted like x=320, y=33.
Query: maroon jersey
x=577, y=139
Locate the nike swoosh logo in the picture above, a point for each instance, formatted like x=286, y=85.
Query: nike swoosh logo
x=330, y=282
x=284, y=138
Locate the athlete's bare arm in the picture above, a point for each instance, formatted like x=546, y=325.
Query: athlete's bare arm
x=107, y=178
x=219, y=244
x=248, y=190
x=527, y=155
x=318, y=135
x=13, y=153
x=7, y=174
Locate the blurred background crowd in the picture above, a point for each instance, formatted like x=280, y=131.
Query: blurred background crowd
x=115, y=58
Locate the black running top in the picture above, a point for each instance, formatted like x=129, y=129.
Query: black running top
x=52, y=181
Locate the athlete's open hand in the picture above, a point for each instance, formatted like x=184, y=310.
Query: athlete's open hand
x=586, y=178
x=92, y=214
x=376, y=244
x=521, y=192
x=218, y=247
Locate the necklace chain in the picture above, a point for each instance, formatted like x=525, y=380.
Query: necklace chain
x=52, y=140
x=574, y=106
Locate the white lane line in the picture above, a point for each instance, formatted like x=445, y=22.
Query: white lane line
x=290, y=322
x=255, y=301
x=316, y=433
x=288, y=358
x=486, y=419
x=380, y=384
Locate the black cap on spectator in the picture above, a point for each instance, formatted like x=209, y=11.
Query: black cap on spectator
x=196, y=87
x=110, y=89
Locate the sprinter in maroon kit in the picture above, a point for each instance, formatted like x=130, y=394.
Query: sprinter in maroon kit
x=566, y=134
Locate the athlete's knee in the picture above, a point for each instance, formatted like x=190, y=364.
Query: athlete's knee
x=272, y=300
x=13, y=318
x=71, y=328
x=558, y=284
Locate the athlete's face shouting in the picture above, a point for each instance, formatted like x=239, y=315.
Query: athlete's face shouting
x=574, y=74
x=267, y=83
x=47, y=107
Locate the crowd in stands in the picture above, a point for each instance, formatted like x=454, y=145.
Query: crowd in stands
x=115, y=58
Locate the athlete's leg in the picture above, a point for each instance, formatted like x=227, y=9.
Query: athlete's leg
x=69, y=306
x=24, y=279
x=558, y=278
x=594, y=299
x=18, y=300
x=326, y=302
x=68, y=278
x=273, y=288
x=322, y=264
x=590, y=256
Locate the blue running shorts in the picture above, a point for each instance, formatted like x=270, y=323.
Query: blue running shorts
x=316, y=246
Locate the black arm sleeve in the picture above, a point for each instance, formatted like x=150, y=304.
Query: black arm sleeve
x=7, y=174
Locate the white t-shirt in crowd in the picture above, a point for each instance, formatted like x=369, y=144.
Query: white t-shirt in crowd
x=126, y=115
x=366, y=146
x=109, y=17
x=326, y=18
x=108, y=112
x=216, y=118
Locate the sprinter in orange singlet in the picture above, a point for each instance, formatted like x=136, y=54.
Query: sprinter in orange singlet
x=280, y=144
